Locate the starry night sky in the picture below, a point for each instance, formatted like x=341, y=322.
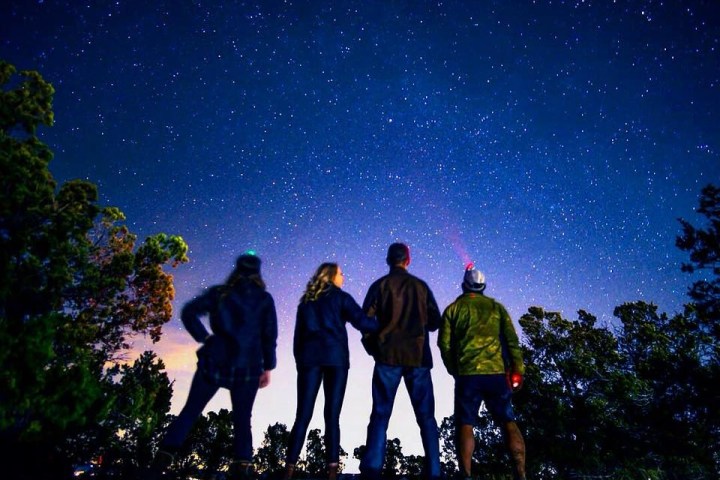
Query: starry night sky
x=554, y=143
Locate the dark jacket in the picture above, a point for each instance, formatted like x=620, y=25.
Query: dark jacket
x=243, y=322
x=320, y=332
x=406, y=311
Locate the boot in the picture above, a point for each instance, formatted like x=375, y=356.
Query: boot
x=289, y=472
x=332, y=471
x=516, y=446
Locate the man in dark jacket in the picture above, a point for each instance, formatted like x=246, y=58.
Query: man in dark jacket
x=406, y=311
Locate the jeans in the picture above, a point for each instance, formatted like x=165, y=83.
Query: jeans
x=242, y=395
x=386, y=380
x=334, y=380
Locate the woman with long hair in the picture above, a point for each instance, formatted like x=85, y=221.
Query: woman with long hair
x=238, y=355
x=322, y=356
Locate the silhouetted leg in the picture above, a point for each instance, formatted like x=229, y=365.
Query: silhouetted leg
x=200, y=394
x=386, y=380
x=465, y=446
x=516, y=447
x=334, y=384
x=308, y=386
x=419, y=385
x=243, y=396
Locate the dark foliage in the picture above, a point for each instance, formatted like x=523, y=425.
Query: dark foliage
x=73, y=289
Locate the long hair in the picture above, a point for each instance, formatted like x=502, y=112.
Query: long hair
x=239, y=276
x=320, y=282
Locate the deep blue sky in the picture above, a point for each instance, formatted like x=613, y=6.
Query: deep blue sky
x=553, y=143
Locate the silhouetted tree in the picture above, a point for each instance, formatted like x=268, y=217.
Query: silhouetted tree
x=129, y=434
x=209, y=446
x=393, y=457
x=704, y=248
x=639, y=403
x=571, y=404
x=448, y=455
x=412, y=466
x=315, y=461
x=395, y=462
x=674, y=425
x=270, y=457
x=73, y=288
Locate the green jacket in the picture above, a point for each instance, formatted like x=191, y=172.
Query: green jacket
x=477, y=337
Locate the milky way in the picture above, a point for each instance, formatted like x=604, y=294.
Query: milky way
x=553, y=143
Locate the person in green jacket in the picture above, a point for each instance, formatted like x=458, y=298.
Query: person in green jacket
x=481, y=350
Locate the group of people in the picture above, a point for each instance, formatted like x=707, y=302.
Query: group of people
x=477, y=340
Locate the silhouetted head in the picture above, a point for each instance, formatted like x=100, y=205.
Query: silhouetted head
x=247, y=269
x=248, y=264
x=398, y=254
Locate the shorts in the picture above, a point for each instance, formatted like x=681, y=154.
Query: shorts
x=472, y=390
